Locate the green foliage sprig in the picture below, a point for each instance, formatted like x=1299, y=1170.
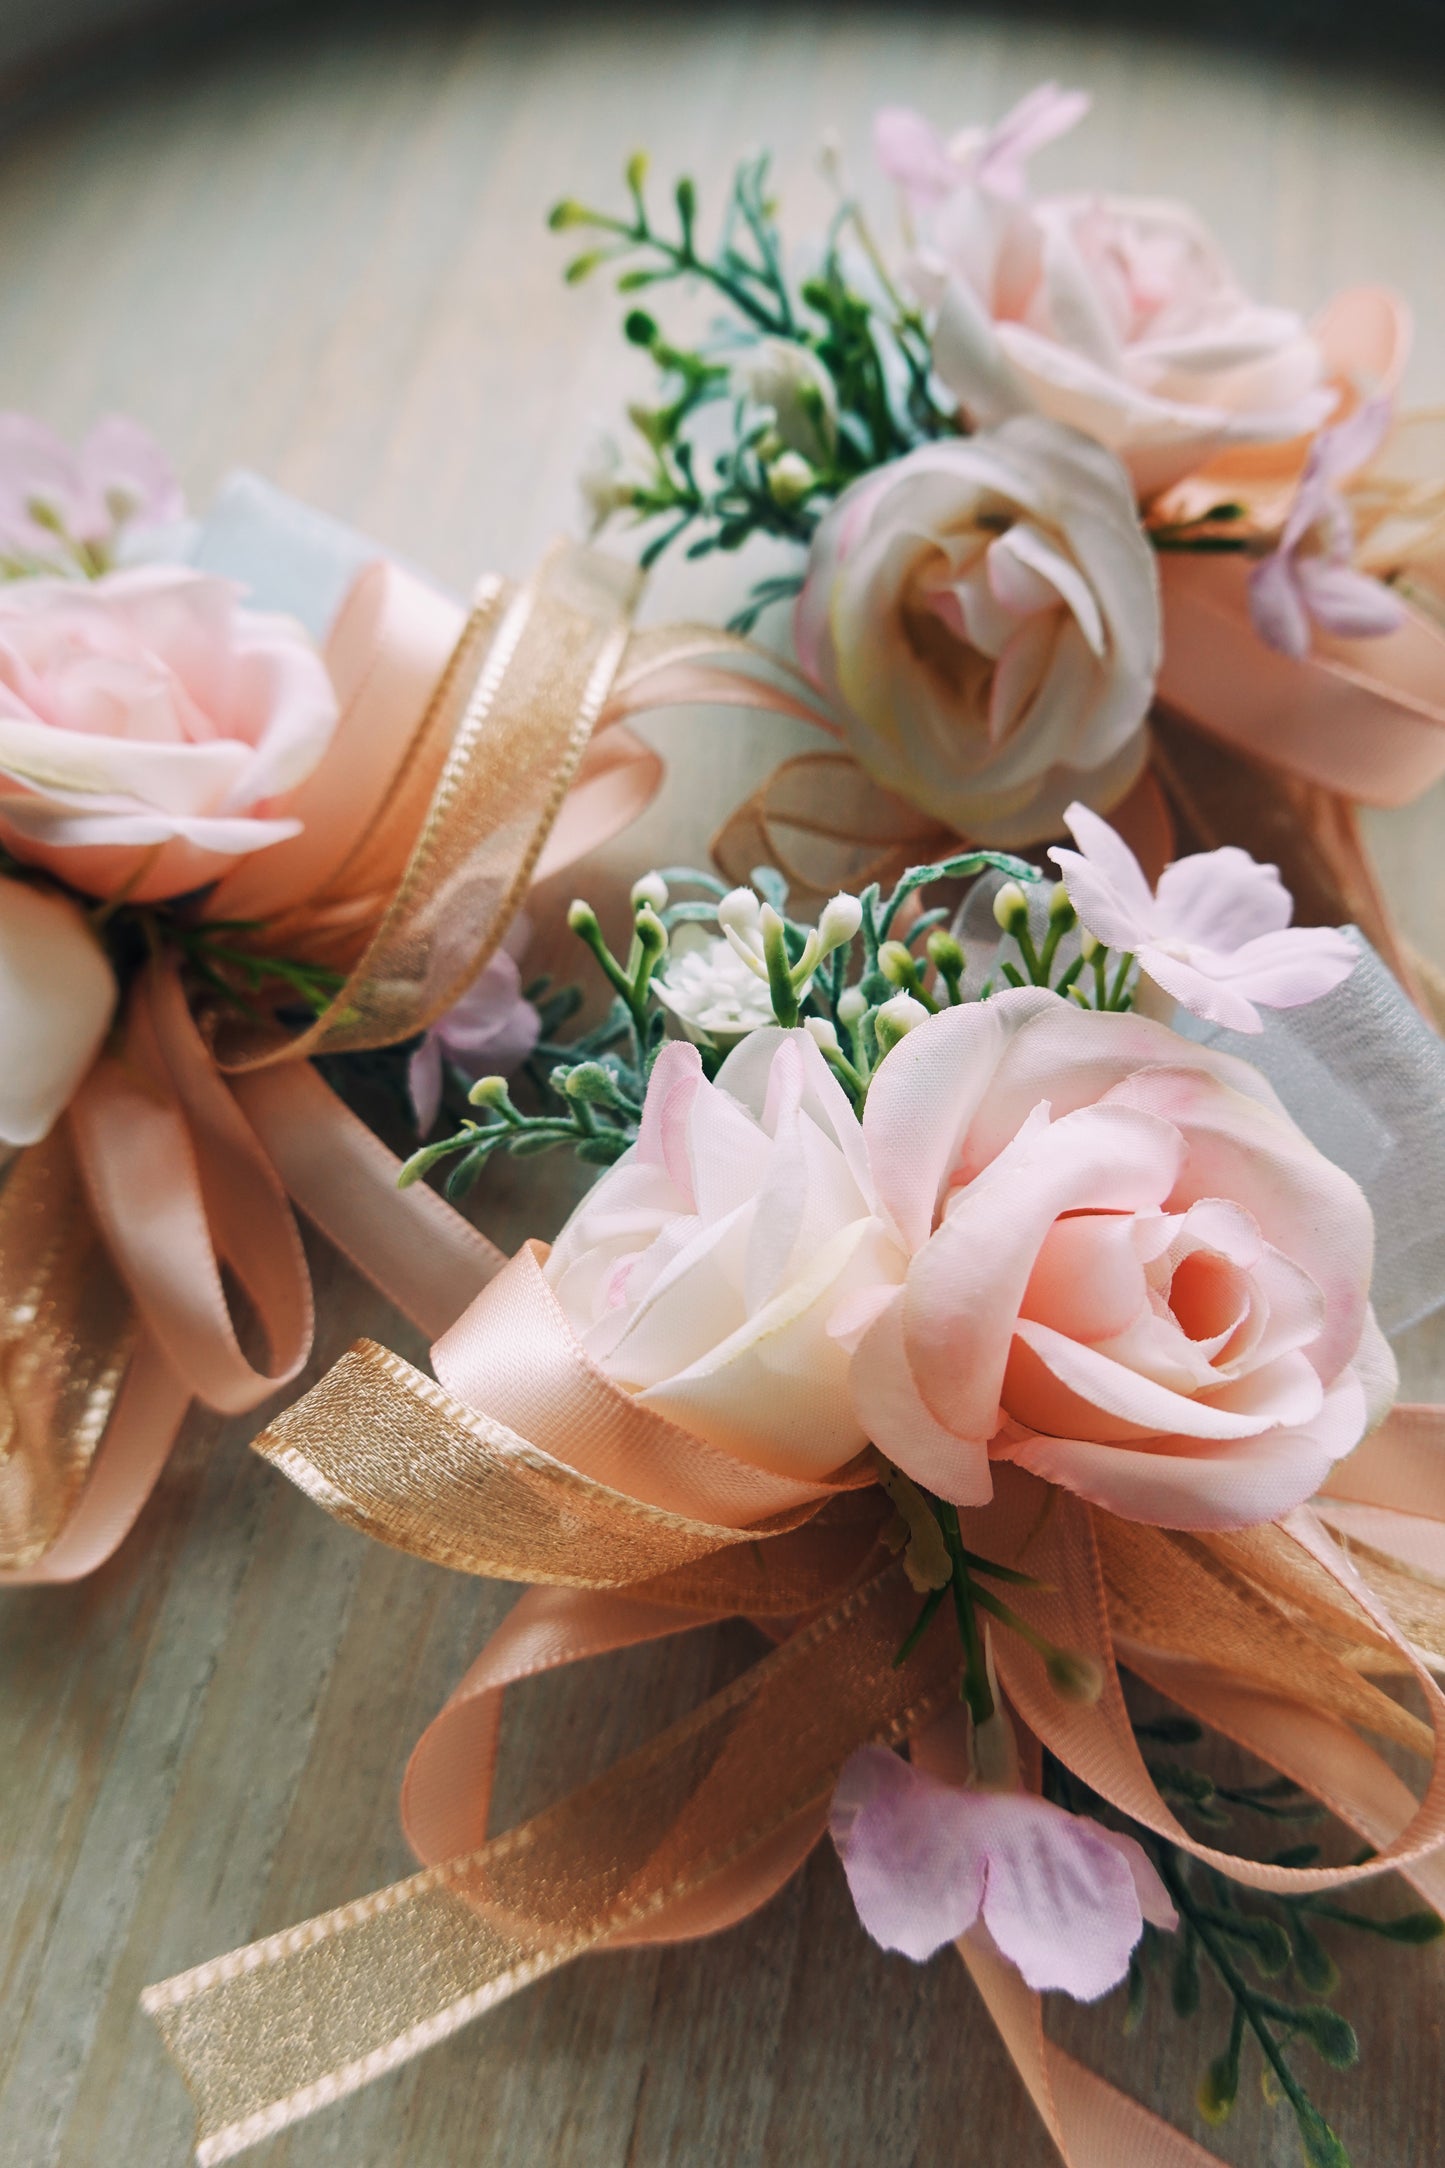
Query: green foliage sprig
x=859, y=350
x=1265, y=1952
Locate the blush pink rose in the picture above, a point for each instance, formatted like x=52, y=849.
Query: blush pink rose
x=151, y=728
x=1129, y=1271
x=984, y=616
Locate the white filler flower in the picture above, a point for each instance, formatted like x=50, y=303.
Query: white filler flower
x=715, y=994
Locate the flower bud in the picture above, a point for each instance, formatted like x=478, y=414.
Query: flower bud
x=896, y=963
x=1090, y=946
x=896, y=1018
x=489, y=1091
x=838, y=922
x=945, y=953
x=822, y=1034
x=650, y=890
x=1011, y=908
x=581, y=917
x=1075, y=1678
x=651, y=932
x=790, y=479
x=739, y=912
x=1061, y=910
x=852, y=1006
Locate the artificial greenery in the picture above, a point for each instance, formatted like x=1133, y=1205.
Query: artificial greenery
x=862, y=390
x=586, y=1092
x=1267, y=1954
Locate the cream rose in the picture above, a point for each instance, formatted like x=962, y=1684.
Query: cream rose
x=151, y=729
x=1129, y=1271
x=984, y=614
x=1121, y=317
x=702, y=1271
x=57, y=997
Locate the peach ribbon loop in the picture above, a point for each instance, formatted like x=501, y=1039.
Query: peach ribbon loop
x=525, y=1463
x=477, y=752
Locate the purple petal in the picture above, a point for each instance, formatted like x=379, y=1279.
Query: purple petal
x=1285, y=970
x=34, y=462
x=1275, y=605
x=120, y=457
x=1221, y=899
x=911, y=152
x=1105, y=881
x=1153, y=1896
x=1351, y=443
x=904, y=1839
x=492, y=1029
x=1347, y=602
x=1038, y=119
x=1061, y=1899
x=1064, y=1900
x=1200, y=994
x=424, y=1082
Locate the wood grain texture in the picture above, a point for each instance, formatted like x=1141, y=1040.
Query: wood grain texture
x=316, y=249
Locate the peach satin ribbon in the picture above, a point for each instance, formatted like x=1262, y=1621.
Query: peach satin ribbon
x=476, y=753
x=518, y=1465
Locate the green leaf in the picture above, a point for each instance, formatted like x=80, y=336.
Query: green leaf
x=1414, y=1929
x=1265, y=1940
x=583, y=266
x=1296, y=1855
x=1411, y=1929
x=1322, y=2148
x=1331, y=2036
x=421, y=1163
x=594, y=1083
x=603, y=1150
x=1312, y=1961
x=1219, y=2088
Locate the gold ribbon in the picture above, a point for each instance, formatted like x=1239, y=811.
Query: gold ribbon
x=469, y=760
x=1270, y=1634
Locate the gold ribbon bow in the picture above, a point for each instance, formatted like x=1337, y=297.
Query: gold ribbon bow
x=527, y=1463
x=151, y=1237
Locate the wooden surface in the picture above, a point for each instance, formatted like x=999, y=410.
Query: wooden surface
x=319, y=252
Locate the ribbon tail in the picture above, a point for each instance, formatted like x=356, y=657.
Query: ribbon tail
x=271, y=2033
x=142, y=1429
x=1252, y=1583
x=1091, y=2122
x=424, y=1257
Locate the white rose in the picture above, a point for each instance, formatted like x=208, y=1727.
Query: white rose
x=57, y=997
x=984, y=614
x=703, y=1271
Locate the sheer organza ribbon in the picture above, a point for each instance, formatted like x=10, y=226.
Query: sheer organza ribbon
x=525, y=1462
x=150, y=1240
